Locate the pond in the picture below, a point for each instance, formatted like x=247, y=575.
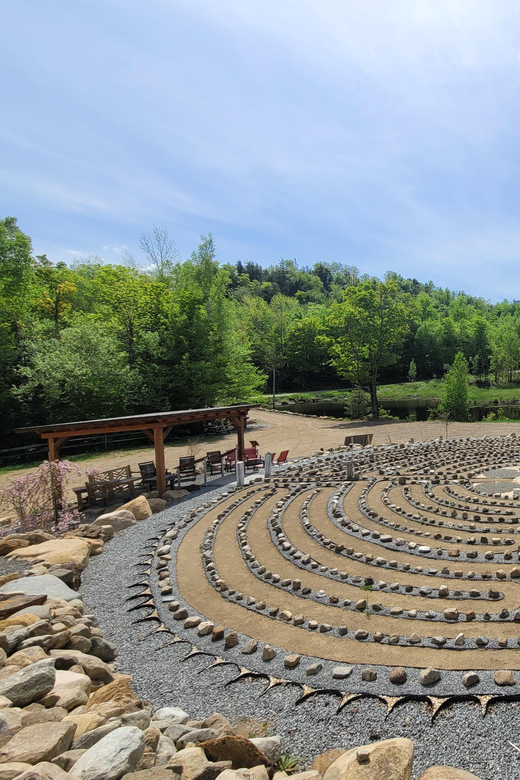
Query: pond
x=403, y=408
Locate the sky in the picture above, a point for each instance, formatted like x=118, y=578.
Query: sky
x=377, y=133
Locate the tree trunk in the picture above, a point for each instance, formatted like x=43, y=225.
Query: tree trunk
x=373, y=400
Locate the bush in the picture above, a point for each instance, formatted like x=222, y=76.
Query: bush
x=357, y=404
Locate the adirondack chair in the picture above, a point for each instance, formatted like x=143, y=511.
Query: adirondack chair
x=186, y=468
x=214, y=461
x=149, y=476
x=251, y=459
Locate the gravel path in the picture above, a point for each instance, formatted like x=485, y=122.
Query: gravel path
x=459, y=736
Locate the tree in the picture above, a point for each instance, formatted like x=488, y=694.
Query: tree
x=454, y=403
x=160, y=251
x=412, y=371
x=367, y=329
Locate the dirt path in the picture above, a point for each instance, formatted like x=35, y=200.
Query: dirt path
x=302, y=436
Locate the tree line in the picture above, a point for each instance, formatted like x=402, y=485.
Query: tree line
x=94, y=339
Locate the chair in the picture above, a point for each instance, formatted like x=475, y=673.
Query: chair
x=186, y=468
x=282, y=457
x=229, y=463
x=251, y=459
x=214, y=460
x=149, y=476
x=97, y=489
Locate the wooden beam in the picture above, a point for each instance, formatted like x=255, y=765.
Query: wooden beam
x=238, y=422
x=167, y=432
x=149, y=434
x=160, y=466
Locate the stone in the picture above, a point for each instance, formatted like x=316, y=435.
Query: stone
x=44, y=771
x=97, y=670
x=67, y=759
x=398, y=676
x=188, y=762
x=11, y=543
x=41, y=715
x=240, y=751
x=271, y=747
x=85, y=722
x=469, y=679
x=390, y=759
x=177, y=730
x=175, y=495
x=268, y=653
x=54, y=553
x=194, y=735
x=41, y=742
x=90, y=738
x=156, y=773
x=70, y=690
x=341, y=672
x=157, y=505
x=118, y=521
x=314, y=669
x=20, y=619
x=218, y=723
x=165, y=750
x=369, y=675
x=16, y=603
x=103, y=649
x=250, y=647
x=322, y=762
x=446, y=773
x=139, y=507
x=30, y=683
x=231, y=639
x=429, y=676
x=116, y=754
x=44, y=584
x=174, y=714
x=504, y=677
x=214, y=769
x=12, y=769
x=292, y=660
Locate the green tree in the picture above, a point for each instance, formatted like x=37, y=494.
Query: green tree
x=367, y=330
x=454, y=403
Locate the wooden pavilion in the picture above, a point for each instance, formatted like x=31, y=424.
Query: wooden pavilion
x=156, y=426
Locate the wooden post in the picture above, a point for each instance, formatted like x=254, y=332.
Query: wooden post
x=160, y=466
x=240, y=437
x=52, y=449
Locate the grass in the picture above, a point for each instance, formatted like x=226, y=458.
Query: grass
x=432, y=389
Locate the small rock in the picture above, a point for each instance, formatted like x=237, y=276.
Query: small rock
x=429, y=676
x=504, y=677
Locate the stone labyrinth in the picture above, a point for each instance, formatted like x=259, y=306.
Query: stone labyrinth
x=391, y=572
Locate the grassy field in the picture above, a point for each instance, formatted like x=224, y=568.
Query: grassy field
x=431, y=390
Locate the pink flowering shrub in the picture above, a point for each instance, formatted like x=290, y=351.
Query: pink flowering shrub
x=39, y=498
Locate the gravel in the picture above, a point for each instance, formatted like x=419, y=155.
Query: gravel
x=459, y=735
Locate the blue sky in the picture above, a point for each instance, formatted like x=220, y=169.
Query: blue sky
x=379, y=133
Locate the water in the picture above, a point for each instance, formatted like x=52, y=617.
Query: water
x=403, y=409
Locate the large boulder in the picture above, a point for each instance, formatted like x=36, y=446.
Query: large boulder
x=188, y=762
x=118, y=521
x=56, y=551
x=390, y=759
x=43, y=584
x=44, y=771
x=97, y=670
x=10, y=770
x=29, y=684
x=112, y=757
x=70, y=690
x=117, y=692
x=41, y=742
x=240, y=751
x=139, y=507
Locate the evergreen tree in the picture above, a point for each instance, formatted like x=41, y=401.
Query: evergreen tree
x=454, y=404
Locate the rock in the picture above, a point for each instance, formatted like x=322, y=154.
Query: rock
x=213, y=769
x=341, y=672
x=41, y=742
x=292, y=660
x=44, y=771
x=231, y=639
x=469, y=679
x=20, y=619
x=30, y=683
x=41, y=715
x=398, y=676
x=254, y=773
x=188, y=762
x=55, y=552
x=240, y=751
x=97, y=670
x=310, y=774
x=141, y=719
x=429, y=676
x=67, y=759
x=268, y=653
x=91, y=738
x=175, y=495
x=156, y=773
x=322, y=762
x=250, y=647
x=197, y=736
x=12, y=769
x=12, y=542
x=44, y=584
x=118, y=521
x=165, y=750
x=113, y=756
x=157, y=505
x=218, y=723
x=504, y=677
x=314, y=669
x=103, y=649
x=175, y=714
x=446, y=773
x=369, y=675
x=139, y=507
x=390, y=759
x=16, y=603
x=271, y=747
x=85, y=722
x=176, y=730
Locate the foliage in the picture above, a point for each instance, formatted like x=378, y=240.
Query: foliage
x=454, y=403
x=38, y=499
x=288, y=764
x=412, y=371
x=357, y=404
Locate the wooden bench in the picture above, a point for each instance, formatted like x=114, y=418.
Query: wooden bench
x=360, y=438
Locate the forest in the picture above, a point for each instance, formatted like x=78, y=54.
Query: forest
x=92, y=339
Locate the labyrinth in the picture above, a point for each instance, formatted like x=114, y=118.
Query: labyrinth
x=385, y=569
